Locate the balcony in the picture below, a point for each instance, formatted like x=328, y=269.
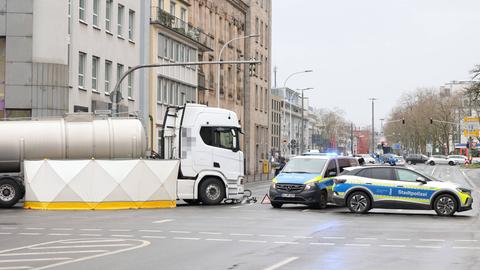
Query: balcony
x=161, y=17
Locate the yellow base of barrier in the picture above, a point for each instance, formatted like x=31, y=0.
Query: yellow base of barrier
x=98, y=205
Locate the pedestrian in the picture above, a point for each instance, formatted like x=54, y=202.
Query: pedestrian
x=281, y=164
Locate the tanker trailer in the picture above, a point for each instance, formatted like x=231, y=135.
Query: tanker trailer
x=76, y=136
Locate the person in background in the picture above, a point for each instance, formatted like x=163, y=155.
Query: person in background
x=281, y=164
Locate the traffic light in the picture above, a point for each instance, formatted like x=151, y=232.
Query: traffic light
x=431, y=121
x=403, y=121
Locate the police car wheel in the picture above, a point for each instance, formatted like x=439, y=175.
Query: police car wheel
x=445, y=205
x=322, y=201
x=359, y=202
x=276, y=204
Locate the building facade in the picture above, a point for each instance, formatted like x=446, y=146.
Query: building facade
x=65, y=56
x=276, y=111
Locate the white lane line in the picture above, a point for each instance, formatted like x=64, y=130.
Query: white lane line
x=93, y=241
x=179, y=232
x=272, y=235
x=51, y=253
x=466, y=240
x=252, y=241
x=5, y=233
x=8, y=228
x=285, y=243
x=15, y=267
x=31, y=233
x=433, y=171
x=62, y=229
x=83, y=246
x=428, y=247
x=333, y=237
x=163, y=221
x=365, y=238
x=35, y=260
x=90, y=230
x=393, y=246
x=398, y=239
x=153, y=237
x=186, y=238
x=469, y=181
x=240, y=234
x=120, y=230
x=466, y=247
x=150, y=231
x=303, y=237
x=322, y=244
x=219, y=239
x=432, y=240
x=34, y=228
x=235, y=207
x=282, y=263
x=89, y=234
x=59, y=234
x=357, y=245
x=212, y=233
x=122, y=235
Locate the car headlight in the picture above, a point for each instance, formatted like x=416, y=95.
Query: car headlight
x=464, y=190
x=310, y=186
x=274, y=185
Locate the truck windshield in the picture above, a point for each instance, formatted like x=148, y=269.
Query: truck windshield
x=221, y=137
x=305, y=165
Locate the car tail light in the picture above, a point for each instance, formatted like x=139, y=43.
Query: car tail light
x=339, y=181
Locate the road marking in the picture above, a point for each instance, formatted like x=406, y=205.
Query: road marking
x=90, y=230
x=154, y=236
x=303, y=237
x=433, y=171
x=62, y=229
x=235, y=207
x=35, y=260
x=31, y=233
x=186, y=238
x=466, y=240
x=150, y=231
x=15, y=267
x=120, y=230
x=333, y=237
x=282, y=263
x=398, y=239
x=179, y=232
x=163, y=221
x=393, y=246
x=466, y=247
x=306, y=210
x=219, y=239
x=34, y=228
x=83, y=246
x=323, y=244
x=469, y=181
x=5, y=233
x=52, y=253
x=432, y=240
x=286, y=243
x=428, y=247
x=252, y=241
x=93, y=241
x=241, y=234
x=59, y=234
x=212, y=233
x=8, y=228
x=121, y=235
x=365, y=238
x=272, y=235
x=357, y=245
x=89, y=234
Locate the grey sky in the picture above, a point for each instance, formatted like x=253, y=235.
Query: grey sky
x=380, y=48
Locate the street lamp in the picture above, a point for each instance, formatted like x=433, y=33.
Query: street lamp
x=220, y=59
x=290, y=105
x=373, y=123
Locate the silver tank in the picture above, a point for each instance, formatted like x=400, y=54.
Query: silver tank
x=73, y=137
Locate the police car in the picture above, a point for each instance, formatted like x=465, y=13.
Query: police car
x=308, y=180
x=364, y=188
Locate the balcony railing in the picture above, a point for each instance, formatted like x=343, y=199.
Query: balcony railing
x=167, y=20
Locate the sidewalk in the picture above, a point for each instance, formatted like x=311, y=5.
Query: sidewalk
x=258, y=177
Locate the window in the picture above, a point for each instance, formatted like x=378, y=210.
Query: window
x=130, y=84
x=119, y=75
x=108, y=75
x=221, y=137
x=170, y=93
x=346, y=162
x=183, y=14
x=81, y=9
x=172, y=8
x=108, y=15
x=95, y=61
x=405, y=175
x=166, y=85
x=161, y=3
x=131, y=24
x=304, y=165
x=331, y=168
x=95, y=12
x=377, y=173
x=256, y=97
x=159, y=89
x=120, y=20
x=81, y=69
x=256, y=28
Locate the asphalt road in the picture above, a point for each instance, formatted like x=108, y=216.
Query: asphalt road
x=247, y=236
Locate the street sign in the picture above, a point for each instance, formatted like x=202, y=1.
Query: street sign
x=429, y=148
x=396, y=146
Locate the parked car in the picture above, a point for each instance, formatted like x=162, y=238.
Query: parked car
x=392, y=160
x=416, y=158
x=459, y=159
x=364, y=188
x=440, y=159
x=368, y=159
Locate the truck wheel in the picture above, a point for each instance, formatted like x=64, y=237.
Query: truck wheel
x=10, y=192
x=211, y=191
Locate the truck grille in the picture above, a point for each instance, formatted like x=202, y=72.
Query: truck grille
x=290, y=187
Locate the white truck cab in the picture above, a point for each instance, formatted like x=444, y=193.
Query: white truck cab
x=207, y=142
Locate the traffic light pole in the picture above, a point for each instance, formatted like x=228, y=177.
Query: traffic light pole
x=115, y=93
